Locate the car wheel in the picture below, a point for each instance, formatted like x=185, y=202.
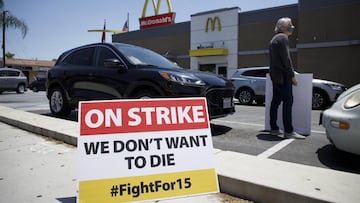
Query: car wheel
x=20, y=89
x=35, y=89
x=146, y=94
x=58, y=104
x=319, y=100
x=246, y=96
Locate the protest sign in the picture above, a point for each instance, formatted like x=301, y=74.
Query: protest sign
x=135, y=150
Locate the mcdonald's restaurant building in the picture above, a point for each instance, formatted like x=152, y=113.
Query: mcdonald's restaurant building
x=326, y=41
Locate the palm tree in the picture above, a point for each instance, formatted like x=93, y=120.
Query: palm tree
x=8, y=20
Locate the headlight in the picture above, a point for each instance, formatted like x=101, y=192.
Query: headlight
x=334, y=86
x=352, y=101
x=182, y=78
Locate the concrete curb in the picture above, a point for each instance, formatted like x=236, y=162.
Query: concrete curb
x=59, y=129
x=250, y=177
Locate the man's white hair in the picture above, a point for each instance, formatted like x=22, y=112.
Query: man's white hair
x=282, y=22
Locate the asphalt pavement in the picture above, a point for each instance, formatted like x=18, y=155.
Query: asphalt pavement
x=40, y=169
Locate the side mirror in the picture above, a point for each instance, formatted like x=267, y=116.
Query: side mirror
x=114, y=63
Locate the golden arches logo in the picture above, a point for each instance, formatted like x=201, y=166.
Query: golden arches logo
x=212, y=22
x=156, y=6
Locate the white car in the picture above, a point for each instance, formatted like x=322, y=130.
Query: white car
x=12, y=79
x=342, y=121
x=250, y=85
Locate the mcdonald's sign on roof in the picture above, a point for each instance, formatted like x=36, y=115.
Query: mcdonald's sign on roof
x=212, y=22
x=157, y=19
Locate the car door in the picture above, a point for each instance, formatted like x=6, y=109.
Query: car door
x=78, y=72
x=261, y=81
x=257, y=81
x=9, y=79
x=87, y=78
x=2, y=79
x=112, y=75
x=14, y=79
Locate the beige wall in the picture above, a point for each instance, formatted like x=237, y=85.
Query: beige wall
x=325, y=24
x=329, y=42
x=256, y=37
x=340, y=64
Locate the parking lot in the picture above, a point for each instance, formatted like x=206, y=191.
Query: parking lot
x=244, y=132
x=241, y=132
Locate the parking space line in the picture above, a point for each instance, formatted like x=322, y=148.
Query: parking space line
x=34, y=107
x=319, y=132
x=250, y=124
x=272, y=150
x=257, y=125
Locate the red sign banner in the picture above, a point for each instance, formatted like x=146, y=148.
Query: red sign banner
x=157, y=20
x=122, y=116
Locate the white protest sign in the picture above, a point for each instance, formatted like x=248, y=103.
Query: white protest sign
x=301, y=112
x=134, y=150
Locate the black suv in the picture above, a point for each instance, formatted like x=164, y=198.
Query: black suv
x=113, y=70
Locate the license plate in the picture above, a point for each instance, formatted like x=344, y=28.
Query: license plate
x=227, y=103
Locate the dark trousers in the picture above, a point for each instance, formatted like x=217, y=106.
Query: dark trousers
x=282, y=93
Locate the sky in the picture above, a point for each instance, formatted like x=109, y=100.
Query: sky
x=57, y=26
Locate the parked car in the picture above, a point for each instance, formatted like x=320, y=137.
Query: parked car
x=12, y=80
x=342, y=121
x=113, y=70
x=38, y=85
x=250, y=85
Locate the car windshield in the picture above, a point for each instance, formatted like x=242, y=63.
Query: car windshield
x=142, y=56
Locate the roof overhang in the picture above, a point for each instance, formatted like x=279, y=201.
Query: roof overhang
x=209, y=52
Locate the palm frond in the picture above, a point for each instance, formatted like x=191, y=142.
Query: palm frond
x=14, y=22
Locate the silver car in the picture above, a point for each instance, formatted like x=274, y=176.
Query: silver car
x=342, y=121
x=250, y=84
x=12, y=80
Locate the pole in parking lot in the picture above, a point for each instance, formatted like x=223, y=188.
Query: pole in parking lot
x=3, y=45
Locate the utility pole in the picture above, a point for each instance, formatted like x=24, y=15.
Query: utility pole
x=3, y=45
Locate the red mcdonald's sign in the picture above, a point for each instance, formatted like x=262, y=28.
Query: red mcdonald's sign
x=157, y=19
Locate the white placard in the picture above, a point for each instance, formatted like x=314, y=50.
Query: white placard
x=301, y=111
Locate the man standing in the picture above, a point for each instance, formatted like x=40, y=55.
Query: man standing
x=282, y=76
